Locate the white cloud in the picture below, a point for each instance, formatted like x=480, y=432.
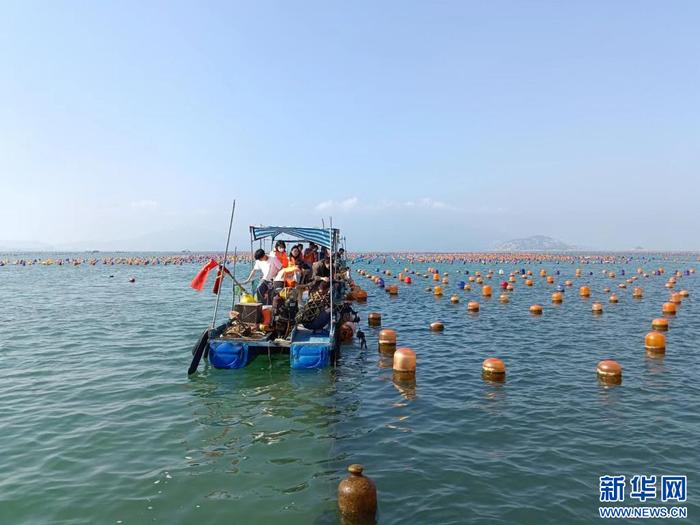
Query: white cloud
x=145, y=204
x=344, y=205
x=415, y=205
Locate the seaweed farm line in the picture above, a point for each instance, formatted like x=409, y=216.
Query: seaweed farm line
x=531, y=376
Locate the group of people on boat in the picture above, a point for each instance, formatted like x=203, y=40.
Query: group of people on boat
x=286, y=274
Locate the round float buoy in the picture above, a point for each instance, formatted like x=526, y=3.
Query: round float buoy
x=486, y=290
x=437, y=326
x=550, y=279
x=675, y=298
x=568, y=283
x=360, y=296
x=584, y=291
x=609, y=372
x=606, y=290
x=504, y=285
x=347, y=331
x=132, y=279
x=668, y=309
x=613, y=298
x=536, y=309
x=528, y=282
x=597, y=308
x=557, y=297
x=374, y=319
x=637, y=293
x=437, y=290
x=473, y=306
x=655, y=343
x=493, y=369
x=357, y=497
x=393, y=289
x=387, y=341
x=684, y=293
x=454, y=299
x=504, y=298
x=405, y=362
x=436, y=277
x=407, y=280
x=660, y=324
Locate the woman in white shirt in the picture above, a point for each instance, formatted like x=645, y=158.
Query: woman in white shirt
x=269, y=267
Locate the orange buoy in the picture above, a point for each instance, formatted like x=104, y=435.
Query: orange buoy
x=597, y=308
x=668, y=309
x=568, y=282
x=357, y=497
x=655, y=343
x=393, y=289
x=486, y=290
x=613, y=298
x=637, y=293
x=536, y=309
x=584, y=291
x=361, y=296
x=467, y=287
x=387, y=341
x=550, y=279
x=660, y=324
x=454, y=299
x=405, y=362
x=557, y=297
x=684, y=293
x=436, y=277
x=374, y=319
x=676, y=298
x=504, y=298
x=473, y=306
x=609, y=372
x=347, y=331
x=493, y=369
x=437, y=326
x=437, y=290
x=512, y=279
x=528, y=282
x=479, y=280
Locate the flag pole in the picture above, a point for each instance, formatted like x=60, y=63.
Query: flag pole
x=223, y=264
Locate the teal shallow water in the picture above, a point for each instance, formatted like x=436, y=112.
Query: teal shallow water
x=100, y=423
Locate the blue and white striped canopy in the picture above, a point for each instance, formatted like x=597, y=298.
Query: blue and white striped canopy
x=320, y=236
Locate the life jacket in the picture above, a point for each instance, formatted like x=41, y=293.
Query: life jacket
x=282, y=256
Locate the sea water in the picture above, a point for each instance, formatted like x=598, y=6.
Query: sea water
x=100, y=423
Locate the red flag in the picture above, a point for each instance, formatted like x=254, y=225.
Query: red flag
x=201, y=277
x=219, y=278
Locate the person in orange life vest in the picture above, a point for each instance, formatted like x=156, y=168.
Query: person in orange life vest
x=311, y=254
x=292, y=274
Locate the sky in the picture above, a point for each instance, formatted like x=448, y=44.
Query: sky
x=418, y=126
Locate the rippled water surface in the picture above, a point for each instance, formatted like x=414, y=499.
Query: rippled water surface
x=100, y=423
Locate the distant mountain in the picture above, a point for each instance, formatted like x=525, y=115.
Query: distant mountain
x=25, y=246
x=536, y=243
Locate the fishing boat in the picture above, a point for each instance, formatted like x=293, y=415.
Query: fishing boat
x=255, y=329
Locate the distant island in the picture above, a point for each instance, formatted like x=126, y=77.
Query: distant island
x=536, y=243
